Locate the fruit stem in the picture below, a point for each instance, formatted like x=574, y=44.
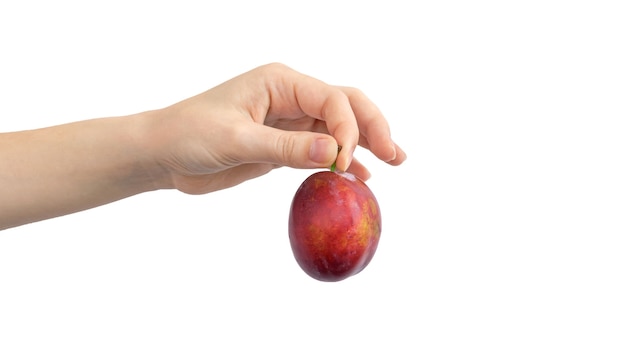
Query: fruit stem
x=333, y=167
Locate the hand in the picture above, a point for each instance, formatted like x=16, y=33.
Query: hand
x=269, y=117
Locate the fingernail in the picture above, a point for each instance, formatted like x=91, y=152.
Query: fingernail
x=395, y=154
x=322, y=151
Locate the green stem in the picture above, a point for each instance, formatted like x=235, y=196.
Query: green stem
x=333, y=167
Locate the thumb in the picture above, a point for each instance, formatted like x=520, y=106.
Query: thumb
x=297, y=149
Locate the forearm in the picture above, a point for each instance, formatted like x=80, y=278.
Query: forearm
x=63, y=169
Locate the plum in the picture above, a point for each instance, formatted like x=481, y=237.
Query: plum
x=334, y=225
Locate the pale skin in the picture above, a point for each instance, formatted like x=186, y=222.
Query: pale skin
x=269, y=117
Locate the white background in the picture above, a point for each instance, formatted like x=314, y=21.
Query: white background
x=506, y=220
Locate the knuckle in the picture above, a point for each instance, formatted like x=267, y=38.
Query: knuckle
x=286, y=147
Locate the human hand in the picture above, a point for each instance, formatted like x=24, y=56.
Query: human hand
x=269, y=117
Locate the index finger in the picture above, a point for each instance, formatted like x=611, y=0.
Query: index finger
x=320, y=101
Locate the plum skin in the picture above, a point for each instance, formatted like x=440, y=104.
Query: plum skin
x=334, y=225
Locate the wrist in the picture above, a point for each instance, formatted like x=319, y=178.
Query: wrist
x=147, y=141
